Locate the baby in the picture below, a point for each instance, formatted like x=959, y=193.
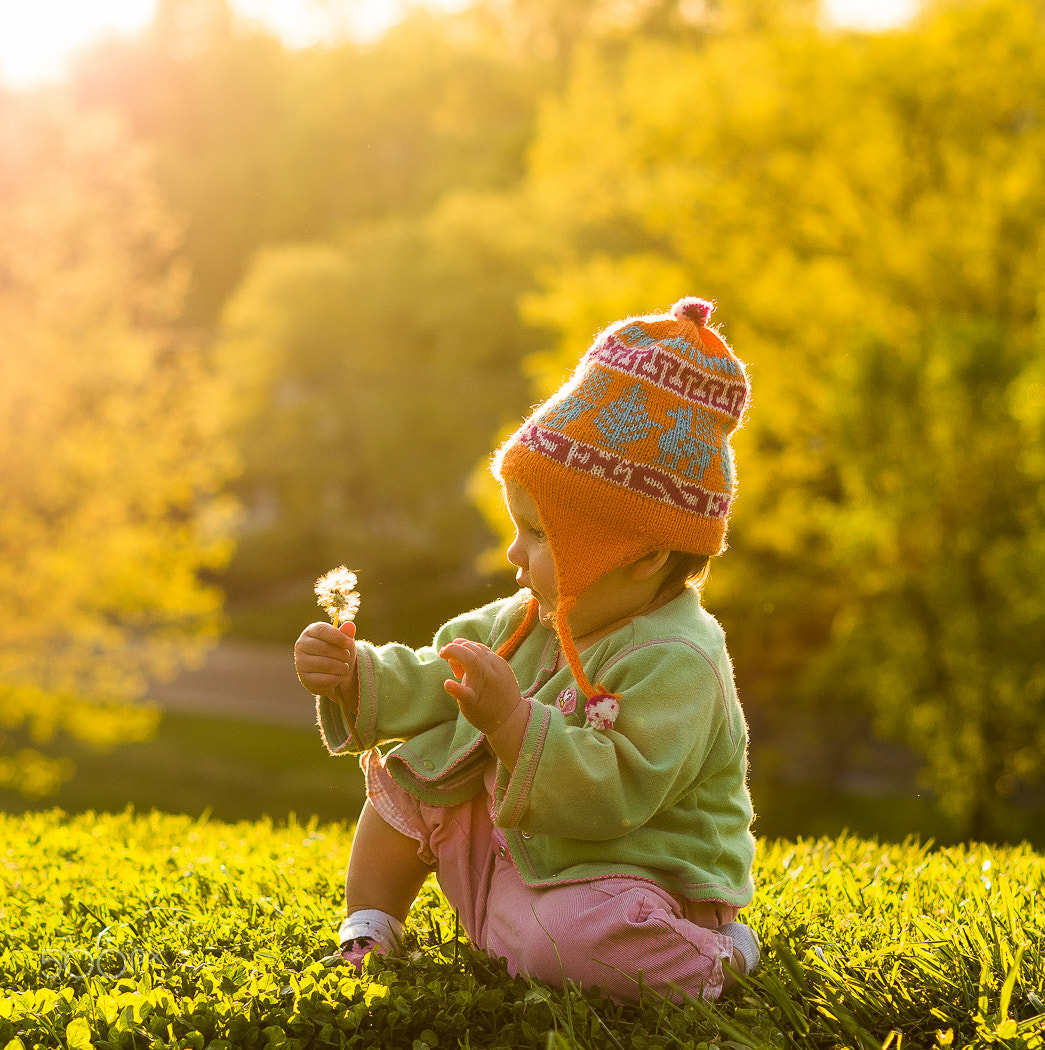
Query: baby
x=578, y=781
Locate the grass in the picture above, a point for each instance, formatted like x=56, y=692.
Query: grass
x=134, y=931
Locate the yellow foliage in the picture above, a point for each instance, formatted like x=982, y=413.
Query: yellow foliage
x=581, y=301
x=869, y=212
x=111, y=438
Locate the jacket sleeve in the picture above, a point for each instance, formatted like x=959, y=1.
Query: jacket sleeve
x=401, y=692
x=679, y=721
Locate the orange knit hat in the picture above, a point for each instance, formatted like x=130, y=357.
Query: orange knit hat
x=632, y=454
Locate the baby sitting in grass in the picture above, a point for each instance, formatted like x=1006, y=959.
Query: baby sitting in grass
x=577, y=781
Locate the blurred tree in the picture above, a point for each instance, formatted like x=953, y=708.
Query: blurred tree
x=205, y=96
x=552, y=30
x=258, y=145
x=870, y=211
x=434, y=107
x=110, y=442
x=371, y=377
x=354, y=147
x=940, y=548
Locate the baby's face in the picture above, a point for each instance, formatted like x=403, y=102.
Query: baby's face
x=609, y=602
x=531, y=553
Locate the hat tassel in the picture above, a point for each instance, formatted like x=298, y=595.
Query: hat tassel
x=507, y=649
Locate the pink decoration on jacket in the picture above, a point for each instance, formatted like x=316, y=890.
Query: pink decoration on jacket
x=567, y=700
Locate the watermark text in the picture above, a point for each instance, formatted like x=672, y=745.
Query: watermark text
x=79, y=963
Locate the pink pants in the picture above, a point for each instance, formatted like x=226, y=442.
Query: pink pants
x=620, y=934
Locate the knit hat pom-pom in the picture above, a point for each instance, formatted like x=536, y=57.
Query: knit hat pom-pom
x=697, y=310
x=602, y=710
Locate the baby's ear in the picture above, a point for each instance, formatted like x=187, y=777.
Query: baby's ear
x=648, y=565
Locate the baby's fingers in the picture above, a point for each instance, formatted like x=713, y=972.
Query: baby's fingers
x=462, y=693
x=464, y=653
x=324, y=639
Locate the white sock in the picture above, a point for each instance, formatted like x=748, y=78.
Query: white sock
x=384, y=928
x=745, y=942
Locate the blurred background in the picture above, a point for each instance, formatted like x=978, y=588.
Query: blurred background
x=276, y=277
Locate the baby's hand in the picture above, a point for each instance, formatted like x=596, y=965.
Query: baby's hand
x=487, y=692
x=325, y=658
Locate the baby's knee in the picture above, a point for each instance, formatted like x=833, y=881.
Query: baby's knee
x=626, y=942
x=585, y=936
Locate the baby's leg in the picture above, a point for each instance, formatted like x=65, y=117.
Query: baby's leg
x=384, y=870
x=384, y=876
x=454, y=840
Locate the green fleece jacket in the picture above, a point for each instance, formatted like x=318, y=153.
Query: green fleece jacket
x=661, y=796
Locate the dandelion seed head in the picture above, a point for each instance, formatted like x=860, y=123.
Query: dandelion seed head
x=337, y=595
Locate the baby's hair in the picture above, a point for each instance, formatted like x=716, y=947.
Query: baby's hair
x=685, y=570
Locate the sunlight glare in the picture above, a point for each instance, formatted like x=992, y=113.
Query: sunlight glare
x=301, y=23
x=38, y=36
x=870, y=14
